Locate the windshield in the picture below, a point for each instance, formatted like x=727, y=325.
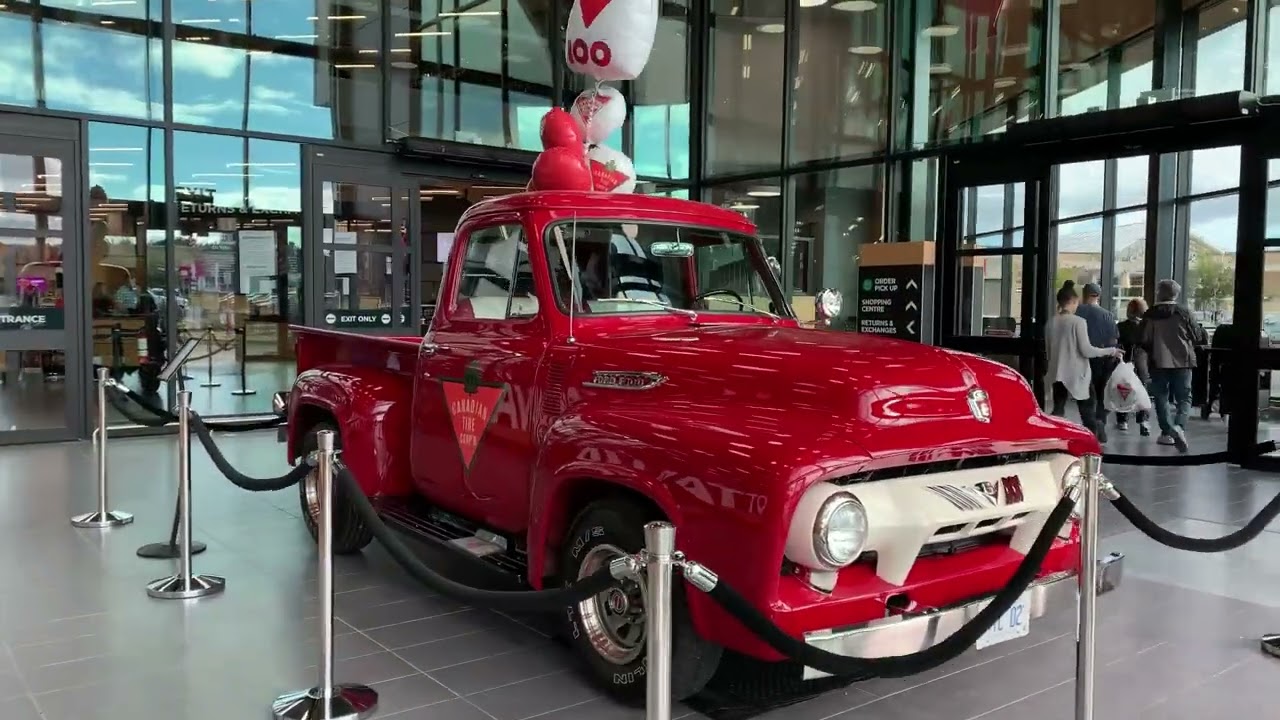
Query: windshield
x=640, y=268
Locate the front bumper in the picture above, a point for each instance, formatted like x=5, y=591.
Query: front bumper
x=904, y=634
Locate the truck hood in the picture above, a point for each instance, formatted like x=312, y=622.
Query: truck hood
x=889, y=396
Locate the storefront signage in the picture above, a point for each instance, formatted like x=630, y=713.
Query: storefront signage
x=29, y=318
x=892, y=301
x=362, y=318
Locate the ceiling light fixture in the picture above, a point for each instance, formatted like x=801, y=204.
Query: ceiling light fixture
x=764, y=191
x=1005, y=82
x=772, y=28
x=424, y=33
x=866, y=50
x=854, y=6
x=940, y=69
x=812, y=3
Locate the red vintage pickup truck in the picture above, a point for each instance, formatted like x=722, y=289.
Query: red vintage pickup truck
x=597, y=361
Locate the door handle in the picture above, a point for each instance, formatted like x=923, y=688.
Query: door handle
x=433, y=348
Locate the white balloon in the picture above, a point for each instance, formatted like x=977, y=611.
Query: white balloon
x=599, y=113
x=611, y=171
x=610, y=39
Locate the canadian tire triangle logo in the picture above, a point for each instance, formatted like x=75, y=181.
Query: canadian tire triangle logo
x=470, y=410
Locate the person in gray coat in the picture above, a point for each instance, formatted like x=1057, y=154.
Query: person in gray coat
x=1169, y=337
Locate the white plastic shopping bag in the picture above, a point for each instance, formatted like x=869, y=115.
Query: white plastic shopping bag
x=610, y=39
x=1125, y=393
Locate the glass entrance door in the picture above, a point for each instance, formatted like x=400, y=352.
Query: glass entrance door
x=994, y=266
x=359, y=251
x=43, y=371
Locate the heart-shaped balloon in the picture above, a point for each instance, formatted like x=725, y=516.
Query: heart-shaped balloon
x=611, y=171
x=599, y=112
x=561, y=168
x=560, y=129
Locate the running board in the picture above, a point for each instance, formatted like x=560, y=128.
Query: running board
x=441, y=528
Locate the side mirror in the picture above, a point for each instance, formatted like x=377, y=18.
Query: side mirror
x=280, y=403
x=775, y=267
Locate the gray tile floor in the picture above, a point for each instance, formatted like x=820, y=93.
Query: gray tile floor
x=80, y=639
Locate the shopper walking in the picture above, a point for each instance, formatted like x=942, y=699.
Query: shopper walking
x=1129, y=331
x=1170, y=336
x=1070, y=351
x=1102, y=334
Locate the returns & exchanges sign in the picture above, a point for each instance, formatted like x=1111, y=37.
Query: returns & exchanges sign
x=29, y=318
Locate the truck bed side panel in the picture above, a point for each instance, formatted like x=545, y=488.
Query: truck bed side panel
x=364, y=386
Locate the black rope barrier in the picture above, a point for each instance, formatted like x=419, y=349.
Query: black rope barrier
x=554, y=600
x=239, y=479
x=235, y=426
x=120, y=401
x=143, y=403
x=1214, y=458
x=1171, y=539
x=912, y=663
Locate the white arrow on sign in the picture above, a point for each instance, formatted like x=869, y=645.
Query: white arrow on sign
x=912, y=305
x=911, y=327
x=912, y=284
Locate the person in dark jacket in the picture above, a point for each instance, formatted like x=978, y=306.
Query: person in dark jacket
x=1130, y=332
x=1102, y=333
x=1170, y=336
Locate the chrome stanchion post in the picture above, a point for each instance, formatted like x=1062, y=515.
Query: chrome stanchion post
x=102, y=517
x=660, y=546
x=185, y=585
x=326, y=700
x=208, y=366
x=1086, y=633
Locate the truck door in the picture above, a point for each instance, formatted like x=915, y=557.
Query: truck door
x=475, y=391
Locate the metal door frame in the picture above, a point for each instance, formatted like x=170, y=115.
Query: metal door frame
x=958, y=176
x=65, y=139
x=322, y=164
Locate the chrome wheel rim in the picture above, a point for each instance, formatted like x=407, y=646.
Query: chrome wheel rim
x=311, y=495
x=614, y=620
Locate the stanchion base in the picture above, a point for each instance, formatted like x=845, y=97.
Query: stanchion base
x=178, y=587
x=210, y=385
x=165, y=551
x=1271, y=645
x=242, y=393
x=346, y=702
x=98, y=520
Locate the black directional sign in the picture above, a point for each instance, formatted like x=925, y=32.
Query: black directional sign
x=892, y=300
x=362, y=318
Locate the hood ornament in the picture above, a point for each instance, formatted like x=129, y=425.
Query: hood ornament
x=980, y=405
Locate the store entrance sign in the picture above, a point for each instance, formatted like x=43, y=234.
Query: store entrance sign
x=25, y=318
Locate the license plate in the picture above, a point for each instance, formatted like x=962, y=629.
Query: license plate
x=1015, y=623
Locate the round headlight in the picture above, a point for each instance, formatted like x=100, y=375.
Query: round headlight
x=840, y=531
x=829, y=302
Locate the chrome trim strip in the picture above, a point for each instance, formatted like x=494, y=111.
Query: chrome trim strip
x=900, y=635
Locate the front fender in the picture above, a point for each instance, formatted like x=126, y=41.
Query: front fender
x=729, y=495
x=370, y=408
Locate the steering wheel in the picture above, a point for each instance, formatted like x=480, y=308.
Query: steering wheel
x=719, y=291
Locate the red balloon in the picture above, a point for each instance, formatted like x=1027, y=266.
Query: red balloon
x=560, y=130
x=561, y=168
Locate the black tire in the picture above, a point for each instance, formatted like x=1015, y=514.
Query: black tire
x=349, y=533
x=620, y=524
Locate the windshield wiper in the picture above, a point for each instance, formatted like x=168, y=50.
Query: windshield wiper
x=748, y=306
x=693, y=316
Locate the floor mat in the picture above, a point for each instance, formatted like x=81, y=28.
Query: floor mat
x=744, y=688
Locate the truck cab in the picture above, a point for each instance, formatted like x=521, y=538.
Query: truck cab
x=597, y=361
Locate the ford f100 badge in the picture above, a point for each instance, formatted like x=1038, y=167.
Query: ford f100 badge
x=625, y=380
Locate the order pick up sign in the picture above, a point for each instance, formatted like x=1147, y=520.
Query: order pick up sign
x=610, y=39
